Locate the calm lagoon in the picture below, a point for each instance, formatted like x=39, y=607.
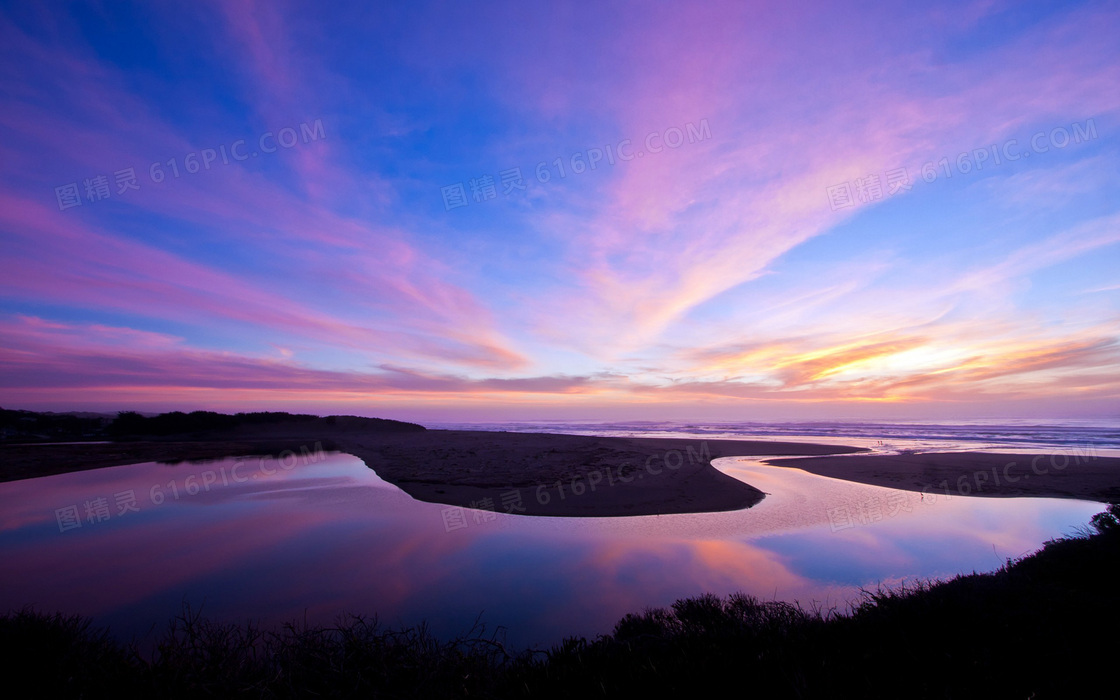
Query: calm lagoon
x=246, y=538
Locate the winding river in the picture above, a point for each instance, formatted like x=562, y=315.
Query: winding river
x=316, y=539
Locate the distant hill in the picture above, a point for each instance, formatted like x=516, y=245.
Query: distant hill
x=29, y=426
x=131, y=424
x=25, y=426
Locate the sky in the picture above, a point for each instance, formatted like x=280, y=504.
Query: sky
x=605, y=211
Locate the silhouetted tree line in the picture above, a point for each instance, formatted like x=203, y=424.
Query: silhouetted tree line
x=1043, y=626
x=50, y=426
x=130, y=423
x=178, y=423
x=30, y=426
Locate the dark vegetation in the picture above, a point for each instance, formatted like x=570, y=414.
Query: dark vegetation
x=132, y=424
x=1044, y=626
x=32, y=460
x=29, y=426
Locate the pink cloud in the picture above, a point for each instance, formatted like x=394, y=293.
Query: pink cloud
x=375, y=264
x=679, y=228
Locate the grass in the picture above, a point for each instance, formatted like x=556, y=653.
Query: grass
x=1042, y=626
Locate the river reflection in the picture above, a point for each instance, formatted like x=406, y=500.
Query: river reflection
x=325, y=536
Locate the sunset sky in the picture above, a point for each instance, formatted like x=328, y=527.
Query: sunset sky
x=797, y=210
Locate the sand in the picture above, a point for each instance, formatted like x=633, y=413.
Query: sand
x=567, y=475
x=530, y=474
x=1061, y=473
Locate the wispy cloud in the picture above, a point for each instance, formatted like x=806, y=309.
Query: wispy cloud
x=714, y=270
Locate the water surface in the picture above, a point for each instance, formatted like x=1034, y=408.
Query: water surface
x=317, y=537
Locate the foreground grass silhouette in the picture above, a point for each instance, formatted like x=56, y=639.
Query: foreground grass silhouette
x=1043, y=626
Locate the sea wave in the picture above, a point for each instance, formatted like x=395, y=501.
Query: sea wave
x=957, y=435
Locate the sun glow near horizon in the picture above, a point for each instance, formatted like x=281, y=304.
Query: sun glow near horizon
x=745, y=210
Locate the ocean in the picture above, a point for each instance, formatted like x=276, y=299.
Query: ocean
x=1101, y=436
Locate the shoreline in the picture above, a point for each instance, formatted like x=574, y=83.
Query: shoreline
x=548, y=474
x=541, y=474
x=1058, y=599
x=569, y=475
x=1075, y=473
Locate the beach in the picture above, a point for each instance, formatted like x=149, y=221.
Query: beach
x=374, y=531
x=588, y=476
x=1059, y=473
x=568, y=475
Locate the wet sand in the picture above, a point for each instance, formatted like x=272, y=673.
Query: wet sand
x=568, y=475
x=524, y=473
x=1061, y=473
